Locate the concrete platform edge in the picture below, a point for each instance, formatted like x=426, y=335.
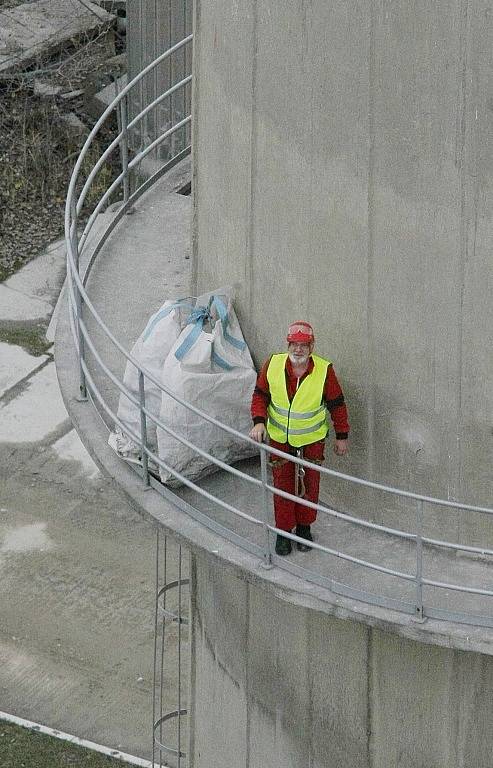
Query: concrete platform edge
x=205, y=543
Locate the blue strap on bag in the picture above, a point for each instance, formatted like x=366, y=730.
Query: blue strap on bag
x=181, y=304
x=198, y=317
x=223, y=316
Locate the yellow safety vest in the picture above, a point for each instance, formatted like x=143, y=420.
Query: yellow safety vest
x=303, y=420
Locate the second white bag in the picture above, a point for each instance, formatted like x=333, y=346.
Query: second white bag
x=151, y=350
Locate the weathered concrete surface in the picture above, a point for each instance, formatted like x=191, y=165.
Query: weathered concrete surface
x=77, y=574
x=30, y=294
x=125, y=291
x=76, y=599
x=34, y=409
x=77, y=570
x=20, y=364
x=344, y=156
x=292, y=687
x=155, y=245
x=287, y=672
x=42, y=27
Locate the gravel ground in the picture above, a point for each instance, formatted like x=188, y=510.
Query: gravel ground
x=5, y=4
x=38, y=149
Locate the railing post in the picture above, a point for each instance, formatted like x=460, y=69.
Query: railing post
x=123, y=111
x=143, y=430
x=267, y=556
x=419, y=561
x=74, y=241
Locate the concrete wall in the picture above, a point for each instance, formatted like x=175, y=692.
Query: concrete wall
x=282, y=686
x=343, y=174
x=152, y=28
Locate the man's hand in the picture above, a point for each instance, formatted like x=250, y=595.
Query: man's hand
x=341, y=447
x=258, y=433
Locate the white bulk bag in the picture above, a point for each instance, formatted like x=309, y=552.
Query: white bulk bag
x=213, y=370
x=150, y=350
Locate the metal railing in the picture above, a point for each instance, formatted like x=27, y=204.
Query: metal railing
x=262, y=544
x=129, y=134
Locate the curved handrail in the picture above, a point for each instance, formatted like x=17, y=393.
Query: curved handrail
x=80, y=303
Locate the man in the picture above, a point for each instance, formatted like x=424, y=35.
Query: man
x=294, y=391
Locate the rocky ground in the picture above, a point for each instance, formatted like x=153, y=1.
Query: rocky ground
x=44, y=120
x=5, y=4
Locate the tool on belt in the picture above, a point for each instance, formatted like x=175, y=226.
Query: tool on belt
x=299, y=476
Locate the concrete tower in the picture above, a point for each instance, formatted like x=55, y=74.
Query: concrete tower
x=342, y=174
x=343, y=153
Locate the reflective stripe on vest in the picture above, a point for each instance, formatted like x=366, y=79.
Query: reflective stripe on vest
x=303, y=421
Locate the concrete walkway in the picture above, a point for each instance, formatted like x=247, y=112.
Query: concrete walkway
x=77, y=566
x=145, y=261
x=126, y=289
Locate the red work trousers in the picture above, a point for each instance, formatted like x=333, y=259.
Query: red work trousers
x=289, y=513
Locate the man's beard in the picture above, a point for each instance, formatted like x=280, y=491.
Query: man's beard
x=297, y=360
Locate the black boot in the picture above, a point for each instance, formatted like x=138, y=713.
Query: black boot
x=283, y=545
x=304, y=532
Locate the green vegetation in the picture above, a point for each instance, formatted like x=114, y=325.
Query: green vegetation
x=26, y=748
x=31, y=338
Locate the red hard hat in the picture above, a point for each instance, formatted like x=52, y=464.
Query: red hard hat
x=301, y=332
